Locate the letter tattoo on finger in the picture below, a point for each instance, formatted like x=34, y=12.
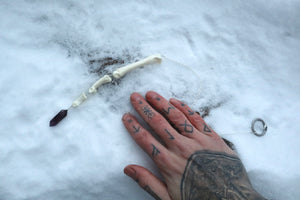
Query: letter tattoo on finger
x=136, y=130
x=187, y=127
x=171, y=107
x=171, y=137
x=155, y=151
x=191, y=112
x=206, y=129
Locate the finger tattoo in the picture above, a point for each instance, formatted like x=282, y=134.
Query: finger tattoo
x=168, y=109
x=187, y=127
x=206, y=129
x=136, y=130
x=148, y=112
x=191, y=112
x=170, y=135
x=155, y=150
x=150, y=191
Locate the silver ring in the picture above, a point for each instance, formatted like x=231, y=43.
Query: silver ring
x=265, y=128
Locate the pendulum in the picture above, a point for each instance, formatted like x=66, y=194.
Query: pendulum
x=117, y=74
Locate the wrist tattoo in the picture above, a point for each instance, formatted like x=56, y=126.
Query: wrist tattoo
x=216, y=175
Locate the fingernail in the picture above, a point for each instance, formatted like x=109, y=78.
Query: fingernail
x=172, y=99
x=125, y=117
x=135, y=97
x=151, y=95
x=175, y=101
x=129, y=172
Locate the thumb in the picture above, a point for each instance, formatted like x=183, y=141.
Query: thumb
x=146, y=180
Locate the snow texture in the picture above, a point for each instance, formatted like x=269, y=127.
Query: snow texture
x=246, y=55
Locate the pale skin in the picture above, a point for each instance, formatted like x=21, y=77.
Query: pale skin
x=193, y=159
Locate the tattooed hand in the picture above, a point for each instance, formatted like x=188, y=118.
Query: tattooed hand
x=194, y=161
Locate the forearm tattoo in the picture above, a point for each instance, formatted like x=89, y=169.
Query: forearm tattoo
x=216, y=175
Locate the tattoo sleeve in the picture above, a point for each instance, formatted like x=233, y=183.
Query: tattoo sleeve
x=216, y=175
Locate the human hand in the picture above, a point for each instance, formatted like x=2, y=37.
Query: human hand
x=192, y=158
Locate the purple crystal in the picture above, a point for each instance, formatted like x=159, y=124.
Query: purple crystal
x=57, y=118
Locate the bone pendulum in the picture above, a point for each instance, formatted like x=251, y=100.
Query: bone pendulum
x=117, y=74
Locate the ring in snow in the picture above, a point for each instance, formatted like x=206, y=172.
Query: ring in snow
x=264, y=129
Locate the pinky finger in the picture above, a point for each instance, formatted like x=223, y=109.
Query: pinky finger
x=149, y=182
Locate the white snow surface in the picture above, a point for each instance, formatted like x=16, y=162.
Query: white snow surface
x=246, y=55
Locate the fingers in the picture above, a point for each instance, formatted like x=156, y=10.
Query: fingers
x=193, y=117
x=150, y=183
x=145, y=140
x=175, y=116
x=157, y=122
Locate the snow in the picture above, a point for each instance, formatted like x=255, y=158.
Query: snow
x=245, y=55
